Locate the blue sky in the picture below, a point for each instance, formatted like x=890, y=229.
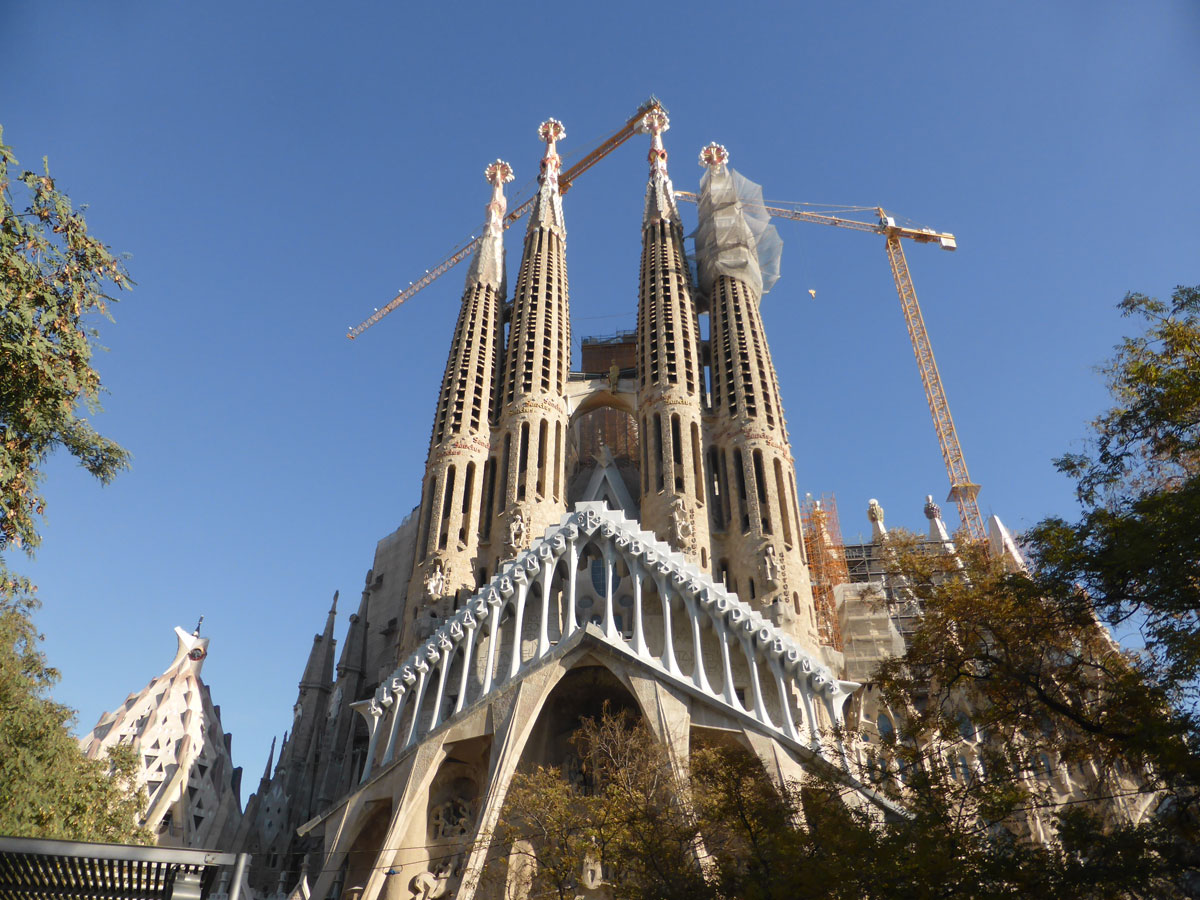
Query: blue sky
x=278, y=170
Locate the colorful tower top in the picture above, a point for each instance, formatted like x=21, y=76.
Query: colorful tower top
x=660, y=195
x=547, y=207
x=735, y=237
x=714, y=155
x=487, y=267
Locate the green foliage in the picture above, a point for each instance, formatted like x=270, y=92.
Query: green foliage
x=1029, y=655
x=53, y=276
x=723, y=830
x=47, y=787
x=1136, y=550
x=1148, y=440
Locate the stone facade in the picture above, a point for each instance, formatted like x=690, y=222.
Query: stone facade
x=621, y=535
x=184, y=757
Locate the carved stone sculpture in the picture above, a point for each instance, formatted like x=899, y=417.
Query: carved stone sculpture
x=770, y=566
x=516, y=532
x=435, y=581
x=451, y=819
x=681, y=525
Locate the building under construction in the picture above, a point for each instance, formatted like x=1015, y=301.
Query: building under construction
x=628, y=534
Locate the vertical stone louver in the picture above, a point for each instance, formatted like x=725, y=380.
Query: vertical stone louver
x=670, y=378
x=755, y=517
x=526, y=489
x=447, y=550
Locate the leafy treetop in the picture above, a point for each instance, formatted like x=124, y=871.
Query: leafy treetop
x=53, y=275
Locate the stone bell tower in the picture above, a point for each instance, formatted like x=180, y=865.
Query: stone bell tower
x=526, y=490
x=447, y=549
x=670, y=381
x=755, y=514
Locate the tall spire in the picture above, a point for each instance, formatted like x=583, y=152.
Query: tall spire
x=452, y=492
x=670, y=379
x=526, y=485
x=756, y=523
x=319, y=671
x=266, y=775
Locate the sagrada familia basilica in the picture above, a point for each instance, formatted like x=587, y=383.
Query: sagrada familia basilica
x=630, y=534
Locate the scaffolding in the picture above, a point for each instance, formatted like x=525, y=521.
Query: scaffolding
x=826, y=563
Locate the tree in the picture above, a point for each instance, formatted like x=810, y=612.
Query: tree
x=724, y=830
x=1029, y=653
x=53, y=276
x=48, y=788
x=1136, y=550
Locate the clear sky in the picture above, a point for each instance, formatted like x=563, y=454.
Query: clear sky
x=277, y=170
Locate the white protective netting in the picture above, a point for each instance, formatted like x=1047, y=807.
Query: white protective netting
x=735, y=236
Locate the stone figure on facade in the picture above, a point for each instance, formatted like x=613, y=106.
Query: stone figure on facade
x=516, y=532
x=433, y=883
x=681, y=523
x=770, y=566
x=435, y=581
x=614, y=377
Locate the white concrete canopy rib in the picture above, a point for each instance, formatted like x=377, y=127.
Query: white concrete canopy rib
x=731, y=654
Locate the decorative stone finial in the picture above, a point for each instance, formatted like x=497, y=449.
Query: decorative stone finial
x=874, y=511
x=196, y=633
x=714, y=155
x=551, y=131
x=932, y=510
x=498, y=173
x=655, y=122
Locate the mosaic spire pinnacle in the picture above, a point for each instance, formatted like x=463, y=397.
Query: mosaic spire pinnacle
x=547, y=206
x=660, y=195
x=488, y=265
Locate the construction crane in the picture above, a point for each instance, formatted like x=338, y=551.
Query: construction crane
x=467, y=247
x=963, y=491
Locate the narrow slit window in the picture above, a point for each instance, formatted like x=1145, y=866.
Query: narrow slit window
x=781, y=492
x=447, y=506
x=739, y=473
x=657, y=456
x=677, y=451
x=522, y=460
x=543, y=435
x=489, y=496
x=506, y=467
x=760, y=483
x=558, y=464
x=468, y=489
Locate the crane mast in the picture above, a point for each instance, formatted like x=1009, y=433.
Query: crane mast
x=963, y=492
